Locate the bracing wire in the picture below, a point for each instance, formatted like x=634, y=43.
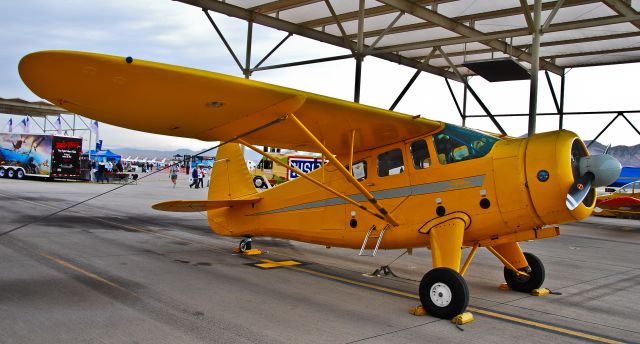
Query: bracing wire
x=220, y=144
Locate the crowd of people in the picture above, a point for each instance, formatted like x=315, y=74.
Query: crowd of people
x=100, y=169
x=198, y=176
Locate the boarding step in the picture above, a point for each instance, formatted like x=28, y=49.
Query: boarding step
x=369, y=236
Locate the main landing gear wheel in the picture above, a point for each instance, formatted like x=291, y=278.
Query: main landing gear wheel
x=259, y=183
x=526, y=283
x=444, y=293
x=245, y=245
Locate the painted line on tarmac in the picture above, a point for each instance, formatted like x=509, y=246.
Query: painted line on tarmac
x=488, y=313
x=85, y=272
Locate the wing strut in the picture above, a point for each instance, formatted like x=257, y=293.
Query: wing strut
x=350, y=178
x=305, y=176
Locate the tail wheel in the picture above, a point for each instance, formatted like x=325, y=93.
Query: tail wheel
x=3, y=172
x=526, y=283
x=259, y=183
x=11, y=173
x=19, y=174
x=444, y=293
x=245, y=245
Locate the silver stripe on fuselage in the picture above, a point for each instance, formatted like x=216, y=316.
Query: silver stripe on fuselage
x=413, y=190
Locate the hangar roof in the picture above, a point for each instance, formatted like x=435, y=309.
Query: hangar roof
x=17, y=106
x=575, y=33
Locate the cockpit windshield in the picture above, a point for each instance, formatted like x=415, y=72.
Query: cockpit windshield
x=454, y=144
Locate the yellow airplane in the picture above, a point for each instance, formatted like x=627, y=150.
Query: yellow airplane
x=393, y=181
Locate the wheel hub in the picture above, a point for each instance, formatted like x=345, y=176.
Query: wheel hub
x=440, y=294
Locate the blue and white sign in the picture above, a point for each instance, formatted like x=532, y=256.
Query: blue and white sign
x=305, y=165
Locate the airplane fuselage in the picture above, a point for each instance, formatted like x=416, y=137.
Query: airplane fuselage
x=415, y=192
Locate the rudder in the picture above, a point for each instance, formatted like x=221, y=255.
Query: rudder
x=230, y=177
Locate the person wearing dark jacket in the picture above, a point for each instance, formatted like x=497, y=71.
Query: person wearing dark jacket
x=194, y=178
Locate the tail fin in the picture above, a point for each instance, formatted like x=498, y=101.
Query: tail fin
x=230, y=177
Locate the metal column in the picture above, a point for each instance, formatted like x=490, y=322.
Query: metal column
x=359, y=55
x=535, y=67
x=247, y=65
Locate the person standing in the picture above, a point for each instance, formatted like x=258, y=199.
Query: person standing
x=100, y=175
x=194, y=178
x=173, y=174
x=200, y=177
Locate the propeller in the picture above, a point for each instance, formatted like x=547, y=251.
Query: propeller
x=590, y=171
x=579, y=190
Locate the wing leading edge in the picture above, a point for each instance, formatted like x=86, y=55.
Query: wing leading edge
x=179, y=101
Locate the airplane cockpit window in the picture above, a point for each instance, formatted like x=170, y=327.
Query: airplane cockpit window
x=359, y=170
x=390, y=163
x=420, y=154
x=454, y=144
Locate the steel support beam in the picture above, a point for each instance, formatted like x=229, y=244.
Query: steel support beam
x=605, y=129
x=306, y=62
x=224, y=40
x=273, y=50
x=383, y=33
x=359, y=55
x=556, y=103
x=464, y=105
x=552, y=15
x=473, y=93
x=561, y=120
x=535, y=59
x=358, y=79
x=279, y=24
x=498, y=35
x=405, y=89
x=461, y=29
x=455, y=100
x=411, y=81
x=623, y=8
x=631, y=124
x=247, y=65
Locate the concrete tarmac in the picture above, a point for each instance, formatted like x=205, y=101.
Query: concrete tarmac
x=113, y=270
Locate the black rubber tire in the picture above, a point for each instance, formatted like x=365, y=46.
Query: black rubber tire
x=442, y=282
x=3, y=172
x=11, y=173
x=259, y=183
x=19, y=174
x=526, y=284
x=245, y=245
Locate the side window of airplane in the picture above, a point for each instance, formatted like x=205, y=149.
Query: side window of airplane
x=390, y=163
x=359, y=170
x=454, y=144
x=420, y=154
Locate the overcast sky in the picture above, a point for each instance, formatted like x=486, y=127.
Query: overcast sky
x=176, y=33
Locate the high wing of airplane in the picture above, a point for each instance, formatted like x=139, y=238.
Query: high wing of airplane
x=393, y=181
x=623, y=203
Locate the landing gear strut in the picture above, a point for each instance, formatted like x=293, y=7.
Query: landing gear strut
x=526, y=283
x=444, y=293
x=245, y=245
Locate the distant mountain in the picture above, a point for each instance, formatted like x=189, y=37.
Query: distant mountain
x=628, y=156
x=159, y=155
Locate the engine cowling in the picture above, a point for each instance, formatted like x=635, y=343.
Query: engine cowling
x=562, y=176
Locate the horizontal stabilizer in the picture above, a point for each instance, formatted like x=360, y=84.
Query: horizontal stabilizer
x=197, y=206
